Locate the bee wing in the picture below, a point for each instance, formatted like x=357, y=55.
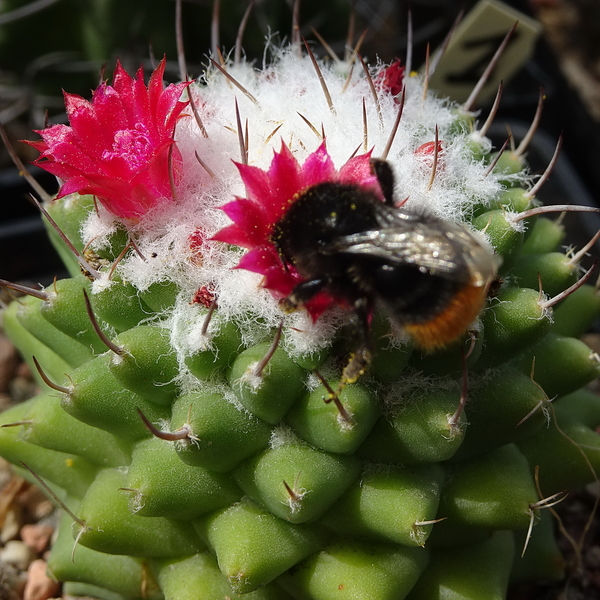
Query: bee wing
x=435, y=246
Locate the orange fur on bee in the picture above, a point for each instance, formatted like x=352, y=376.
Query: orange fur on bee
x=449, y=324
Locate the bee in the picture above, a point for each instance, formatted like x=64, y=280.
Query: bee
x=429, y=275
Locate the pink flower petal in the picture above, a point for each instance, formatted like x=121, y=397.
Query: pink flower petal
x=260, y=260
x=117, y=146
x=73, y=185
x=110, y=111
x=270, y=193
x=83, y=119
x=279, y=281
x=319, y=304
x=391, y=79
x=285, y=177
x=234, y=235
x=250, y=215
x=358, y=171
x=318, y=167
x=256, y=181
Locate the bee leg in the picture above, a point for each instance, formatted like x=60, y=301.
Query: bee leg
x=302, y=293
x=361, y=357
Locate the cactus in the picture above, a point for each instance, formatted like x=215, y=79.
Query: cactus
x=200, y=419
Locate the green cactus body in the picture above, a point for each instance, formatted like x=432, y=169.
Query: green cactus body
x=204, y=464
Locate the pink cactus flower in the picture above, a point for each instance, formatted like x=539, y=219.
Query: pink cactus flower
x=269, y=195
x=117, y=146
x=391, y=78
x=427, y=151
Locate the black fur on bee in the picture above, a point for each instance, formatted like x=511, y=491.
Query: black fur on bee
x=367, y=252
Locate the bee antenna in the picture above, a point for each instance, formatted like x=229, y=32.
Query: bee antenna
x=385, y=177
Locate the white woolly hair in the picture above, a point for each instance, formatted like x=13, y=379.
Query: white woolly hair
x=284, y=90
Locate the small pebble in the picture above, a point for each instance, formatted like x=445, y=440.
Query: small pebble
x=37, y=537
x=16, y=553
x=13, y=520
x=37, y=503
x=12, y=581
x=39, y=586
